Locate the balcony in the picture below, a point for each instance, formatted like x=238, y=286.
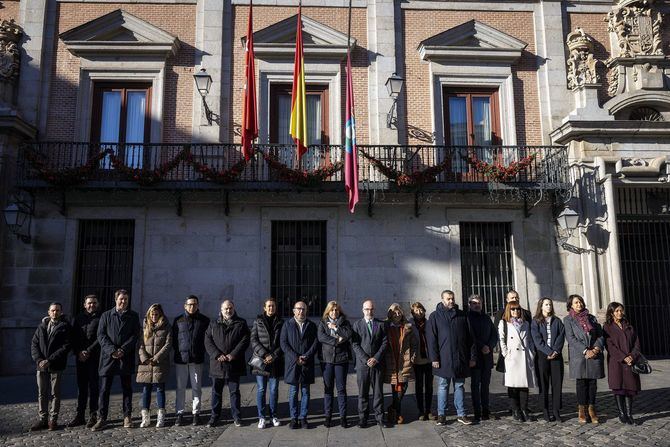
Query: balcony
x=274, y=167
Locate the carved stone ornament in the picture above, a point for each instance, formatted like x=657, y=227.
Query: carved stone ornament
x=10, y=34
x=637, y=27
x=581, y=63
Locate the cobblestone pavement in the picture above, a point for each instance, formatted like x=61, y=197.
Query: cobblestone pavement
x=652, y=409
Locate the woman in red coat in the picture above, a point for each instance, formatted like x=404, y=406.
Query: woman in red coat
x=623, y=350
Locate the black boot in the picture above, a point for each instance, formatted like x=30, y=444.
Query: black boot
x=78, y=420
x=629, y=410
x=621, y=408
x=516, y=411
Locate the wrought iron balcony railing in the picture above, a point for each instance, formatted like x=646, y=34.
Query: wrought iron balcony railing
x=273, y=166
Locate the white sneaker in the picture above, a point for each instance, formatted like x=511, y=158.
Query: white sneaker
x=261, y=423
x=276, y=422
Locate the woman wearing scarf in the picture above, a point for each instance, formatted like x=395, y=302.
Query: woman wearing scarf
x=403, y=344
x=334, y=334
x=623, y=350
x=265, y=345
x=516, y=346
x=423, y=370
x=585, y=351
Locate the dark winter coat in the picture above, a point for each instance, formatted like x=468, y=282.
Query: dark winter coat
x=188, y=338
x=450, y=342
x=485, y=334
x=85, y=335
x=233, y=339
x=331, y=350
x=578, y=341
x=295, y=345
x=538, y=331
x=266, y=340
x=157, y=348
x=118, y=331
x=621, y=342
x=53, y=347
x=366, y=346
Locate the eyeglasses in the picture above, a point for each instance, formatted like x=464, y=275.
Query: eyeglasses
x=514, y=308
x=299, y=309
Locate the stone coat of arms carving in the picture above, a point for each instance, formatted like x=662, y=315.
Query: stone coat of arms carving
x=582, y=66
x=637, y=27
x=10, y=55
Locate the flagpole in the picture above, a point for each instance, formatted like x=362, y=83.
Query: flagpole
x=348, y=30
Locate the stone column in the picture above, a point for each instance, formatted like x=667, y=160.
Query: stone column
x=382, y=21
x=213, y=44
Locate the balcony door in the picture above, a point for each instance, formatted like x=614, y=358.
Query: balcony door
x=121, y=114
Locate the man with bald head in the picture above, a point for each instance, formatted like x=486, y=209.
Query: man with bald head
x=299, y=342
x=369, y=343
x=226, y=339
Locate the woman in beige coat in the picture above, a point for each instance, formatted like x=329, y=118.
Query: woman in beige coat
x=154, y=365
x=399, y=358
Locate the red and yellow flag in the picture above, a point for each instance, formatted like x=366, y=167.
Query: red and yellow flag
x=249, y=120
x=298, y=95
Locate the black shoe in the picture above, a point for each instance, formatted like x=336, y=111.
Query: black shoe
x=77, y=421
x=99, y=425
x=516, y=414
x=343, y=422
x=303, y=423
x=327, y=422
x=293, y=424
x=441, y=420
x=478, y=417
x=545, y=414
x=212, y=422
x=196, y=419
x=523, y=416
x=557, y=417
x=362, y=423
x=486, y=414
x=179, y=420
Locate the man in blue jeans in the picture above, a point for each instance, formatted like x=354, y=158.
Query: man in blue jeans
x=486, y=338
x=450, y=345
x=299, y=343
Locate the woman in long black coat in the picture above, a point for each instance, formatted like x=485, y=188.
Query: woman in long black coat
x=623, y=350
x=334, y=334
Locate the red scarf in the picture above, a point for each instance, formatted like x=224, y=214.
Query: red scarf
x=583, y=319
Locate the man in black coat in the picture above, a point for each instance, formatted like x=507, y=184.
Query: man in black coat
x=300, y=344
x=49, y=348
x=226, y=339
x=188, y=339
x=369, y=342
x=87, y=354
x=117, y=334
x=452, y=351
x=486, y=338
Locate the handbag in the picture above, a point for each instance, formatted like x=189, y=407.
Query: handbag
x=500, y=364
x=642, y=366
x=257, y=362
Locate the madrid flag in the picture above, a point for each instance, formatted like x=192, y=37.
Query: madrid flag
x=350, y=155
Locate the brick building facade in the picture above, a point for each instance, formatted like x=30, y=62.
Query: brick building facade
x=573, y=96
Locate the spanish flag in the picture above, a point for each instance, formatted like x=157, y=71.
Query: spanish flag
x=298, y=95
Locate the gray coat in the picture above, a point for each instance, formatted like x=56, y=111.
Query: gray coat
x=578, y=341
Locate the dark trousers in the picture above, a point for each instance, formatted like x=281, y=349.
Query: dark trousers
x=423, y=387
x=335, y=375
x=479, y=389
x=233, y=389
x=397, y=395
x=550, y=375
x=106, y=385
x=88, y=386
x=586, y=391
x=370, y=377
x=519, y=398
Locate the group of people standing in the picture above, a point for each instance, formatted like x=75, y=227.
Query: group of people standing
x=451, y=344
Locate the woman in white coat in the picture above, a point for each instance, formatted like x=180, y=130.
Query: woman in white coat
x=516, y=346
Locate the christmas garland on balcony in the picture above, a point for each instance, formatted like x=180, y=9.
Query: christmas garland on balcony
x=64, y=177
x=497, y=172
x=216, y=176
x=416, y=178
x=299, y=176
x=148, y=176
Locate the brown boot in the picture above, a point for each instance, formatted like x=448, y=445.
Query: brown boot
x=39, y=425
x=401, y=420
x=592, y=414
x=582, y=413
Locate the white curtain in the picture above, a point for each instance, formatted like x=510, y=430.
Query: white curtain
x=109, y=124
x=286, y=154
x=458, y=130
x=481, y=111
x=136, y=109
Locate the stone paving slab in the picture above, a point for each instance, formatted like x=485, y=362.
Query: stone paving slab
x=18, y=409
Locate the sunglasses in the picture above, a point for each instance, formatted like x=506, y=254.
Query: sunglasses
x=514, y=308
